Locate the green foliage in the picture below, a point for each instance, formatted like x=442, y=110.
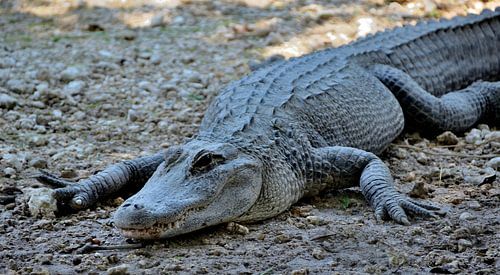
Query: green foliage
x=345, y=201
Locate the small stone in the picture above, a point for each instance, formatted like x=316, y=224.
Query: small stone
x=494, y=163
x=447, y=138
x=492, y=136
x=466, y=216
x=69, y=173
x=42, y=87
x=156, y=58
x=14, y=160
x=410, y=177
x=315, y=220
x=132, y=115
x=73, y=73
x=237, y=228
x=74, y=87
x=419, y=191
x=473, y=137
x=44, y=259
x=106, y=54
x=483, y=127
x=302, y=271
x=400, y=153
x=318, y=253
x=9, y=171
x=146, y=85
x=16, y=85
x=79, y=115
x=41, y=202
x=474, y=204
x=7, y=101
x=157, y=20
x=39, y=163
x=192, y=76
x=463, y=244
x=57, y=113
x=302, y=211
x=422, y=158
x=178, y=20
x=282, y=238
x=122, y=269
x=26, y=123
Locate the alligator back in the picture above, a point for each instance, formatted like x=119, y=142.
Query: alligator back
x=444, y=55
x=331, y=98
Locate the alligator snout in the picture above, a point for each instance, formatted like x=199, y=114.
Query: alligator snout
x=133, y=216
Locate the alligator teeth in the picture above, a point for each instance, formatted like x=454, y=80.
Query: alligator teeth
x=158, y=228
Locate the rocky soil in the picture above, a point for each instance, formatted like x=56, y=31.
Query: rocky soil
x=87, y=83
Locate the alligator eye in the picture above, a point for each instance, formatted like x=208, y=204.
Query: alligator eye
x=205, y=161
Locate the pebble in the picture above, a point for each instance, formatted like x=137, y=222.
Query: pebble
x=400, y=153
x=69, y=173
x=74, y=87
x=447, y=138
x=494, y=163
x=7, y=101
x=38, y=141
x=422, y=158
x=41, y=202
x=39, y=163
x=132, y=115
x=14, y=160
x=57, y=113
x=302, y=271
x=157, y=20
x=122, y=269
x=473, y=137
x=9, y=171
x=318, y=253
x=146, y=85
x=463, y=244
x=474, y=205
x=156, y=58
x=26, y=123
x=16, y=85
x=79, y=115
x=42, y=87
x=72, y=73
x=419, y=191
x=466, y=216
x=315, y=220
x=192, y=76
x=492, y=136
x=237, y=228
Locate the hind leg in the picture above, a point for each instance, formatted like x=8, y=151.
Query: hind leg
x=455, y=111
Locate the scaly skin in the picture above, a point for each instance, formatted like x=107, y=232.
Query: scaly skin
x=296, y=127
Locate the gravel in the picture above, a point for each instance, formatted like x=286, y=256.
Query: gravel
x=86, y=84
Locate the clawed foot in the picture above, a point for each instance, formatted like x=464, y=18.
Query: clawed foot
x=395, y=206
x=67, y=193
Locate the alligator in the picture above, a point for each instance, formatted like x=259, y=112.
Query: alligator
x=294, y=128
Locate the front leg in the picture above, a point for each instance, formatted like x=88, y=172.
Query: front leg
x=86, y=192
x=375, y=181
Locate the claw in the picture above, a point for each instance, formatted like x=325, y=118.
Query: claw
x=380, y=213
x=404, y=221
x=50, y=179
x=427, y=206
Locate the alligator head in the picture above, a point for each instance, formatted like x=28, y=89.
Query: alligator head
x=199, y=184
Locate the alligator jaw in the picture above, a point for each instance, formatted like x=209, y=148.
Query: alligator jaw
x=158, y=229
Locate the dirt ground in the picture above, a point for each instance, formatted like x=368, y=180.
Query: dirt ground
x=84, y=84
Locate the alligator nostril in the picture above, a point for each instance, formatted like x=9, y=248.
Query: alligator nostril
x=126, y=205
x=138, y=206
